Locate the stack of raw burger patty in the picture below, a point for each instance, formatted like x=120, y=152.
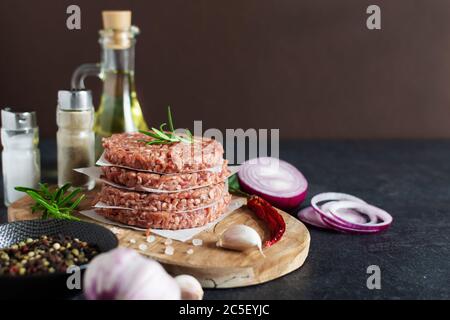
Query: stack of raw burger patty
x=191, y=176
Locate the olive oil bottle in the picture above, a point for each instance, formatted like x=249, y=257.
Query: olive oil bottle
x=119, y=109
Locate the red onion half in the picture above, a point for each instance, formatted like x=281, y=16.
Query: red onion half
x=345, y=213
x=275, y=180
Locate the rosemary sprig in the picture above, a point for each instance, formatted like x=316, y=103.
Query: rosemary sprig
x=161, y=136
x=58, y=204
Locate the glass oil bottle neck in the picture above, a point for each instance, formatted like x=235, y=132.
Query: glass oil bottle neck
x=118, y=50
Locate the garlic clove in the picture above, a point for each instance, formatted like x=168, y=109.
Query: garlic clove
x=124, y=274
x=240, y=237
x=191, y=289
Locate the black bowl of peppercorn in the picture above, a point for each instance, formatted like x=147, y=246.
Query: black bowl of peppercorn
x=46, y=258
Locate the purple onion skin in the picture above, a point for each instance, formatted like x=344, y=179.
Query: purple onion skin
x=336, y=226
x=279, y=202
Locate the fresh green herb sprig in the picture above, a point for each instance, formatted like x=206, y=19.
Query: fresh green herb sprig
x=161, y=136
x=58, y=204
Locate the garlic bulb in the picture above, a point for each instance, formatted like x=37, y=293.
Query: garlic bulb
x=123, y=274
x=240, y=237
x=191, y=289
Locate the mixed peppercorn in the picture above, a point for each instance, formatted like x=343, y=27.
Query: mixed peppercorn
x=45, y=255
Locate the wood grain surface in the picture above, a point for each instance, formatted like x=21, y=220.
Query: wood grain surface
x=214, y=267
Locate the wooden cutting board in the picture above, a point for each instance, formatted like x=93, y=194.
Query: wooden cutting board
x=213, y=267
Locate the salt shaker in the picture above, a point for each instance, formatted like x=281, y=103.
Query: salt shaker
x=20, y=155
x=75, y=137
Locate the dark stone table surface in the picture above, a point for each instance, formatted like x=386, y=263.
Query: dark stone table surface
x=409, y=179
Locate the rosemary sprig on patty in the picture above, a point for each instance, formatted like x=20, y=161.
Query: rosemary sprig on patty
x=161, y=136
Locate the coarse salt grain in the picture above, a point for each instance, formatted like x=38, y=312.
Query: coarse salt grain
x=116, y=230
x=190, y=251
x=132, y=241
x=143, y=247
x=150, y=239
x=168, y=242
x=169, y=250
x=197, y=242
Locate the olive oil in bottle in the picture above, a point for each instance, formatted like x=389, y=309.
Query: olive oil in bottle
x=119, y=109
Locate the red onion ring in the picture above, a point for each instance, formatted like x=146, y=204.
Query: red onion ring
x=366, y=209
x=332, y=196
x=350, y=215
x=346, y=229
x=330, y=215
x=310, y=216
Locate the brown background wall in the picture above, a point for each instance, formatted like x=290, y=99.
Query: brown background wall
x=308, y=67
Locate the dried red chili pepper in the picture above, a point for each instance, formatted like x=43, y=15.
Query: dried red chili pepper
x=266, y=212
x=263, y=209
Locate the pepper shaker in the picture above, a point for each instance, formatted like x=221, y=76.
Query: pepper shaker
x=20, y=155
x=75, y=137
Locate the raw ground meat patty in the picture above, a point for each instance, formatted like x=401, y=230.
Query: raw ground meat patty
x=171, y=182
x=128, y=149
x=153, y=202
x=167, y=220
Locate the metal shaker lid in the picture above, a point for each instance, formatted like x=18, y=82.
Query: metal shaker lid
x=18, y=120
x=75, y=100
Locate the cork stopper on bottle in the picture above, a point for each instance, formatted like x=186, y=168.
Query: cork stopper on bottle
x=117, y=20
